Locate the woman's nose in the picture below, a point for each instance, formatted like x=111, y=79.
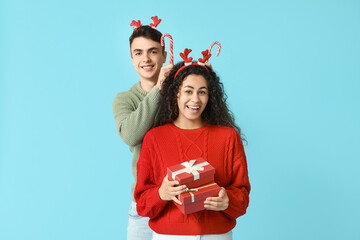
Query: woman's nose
x=195, y=98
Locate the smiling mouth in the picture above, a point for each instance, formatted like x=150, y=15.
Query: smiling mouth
x=193, y=107
x=148, y=67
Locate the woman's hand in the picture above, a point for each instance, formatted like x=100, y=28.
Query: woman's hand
x=219, y=203
x=164, y=72
x=168, y=192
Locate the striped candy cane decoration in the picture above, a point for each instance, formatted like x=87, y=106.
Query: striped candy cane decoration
x=219, y=47
x=171, y=45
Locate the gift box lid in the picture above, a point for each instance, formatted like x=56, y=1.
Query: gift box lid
x=190, y=171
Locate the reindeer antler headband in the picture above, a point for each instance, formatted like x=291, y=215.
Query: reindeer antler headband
x=137, y=23
x=201, y=61
x=188, y=60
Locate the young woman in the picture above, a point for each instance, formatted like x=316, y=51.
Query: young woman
x=194, y=121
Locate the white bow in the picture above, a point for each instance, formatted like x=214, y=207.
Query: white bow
x=191, y=168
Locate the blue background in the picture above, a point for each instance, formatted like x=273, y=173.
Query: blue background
x=291, y=70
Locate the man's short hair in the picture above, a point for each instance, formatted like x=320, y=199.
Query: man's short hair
x=147, y=32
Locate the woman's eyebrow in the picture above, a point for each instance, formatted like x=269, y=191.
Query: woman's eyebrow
x=188, y=86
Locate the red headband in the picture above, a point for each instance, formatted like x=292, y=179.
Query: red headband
x=188, y=61
x=137, y=23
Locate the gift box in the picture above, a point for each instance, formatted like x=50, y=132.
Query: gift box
x=193, y=173
x=193, y=200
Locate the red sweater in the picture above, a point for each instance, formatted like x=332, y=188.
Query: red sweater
x=168, y=145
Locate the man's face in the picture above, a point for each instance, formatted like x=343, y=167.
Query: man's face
x=147, y=58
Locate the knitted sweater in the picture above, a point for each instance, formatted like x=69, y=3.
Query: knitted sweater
x=134, y=112
x=168, y=145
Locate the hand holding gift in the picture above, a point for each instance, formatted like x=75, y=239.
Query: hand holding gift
x=219, y=203
x=198, y=177
x=168, y=191
x=193, y=199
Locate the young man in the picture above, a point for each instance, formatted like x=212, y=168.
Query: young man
x=135, y=110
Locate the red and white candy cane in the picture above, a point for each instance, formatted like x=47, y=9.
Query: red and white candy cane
x=171, y=45
x=219, y=47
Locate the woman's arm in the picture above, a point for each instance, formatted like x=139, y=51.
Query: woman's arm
x=239, y=189
x=233, y=200
x=153, y=192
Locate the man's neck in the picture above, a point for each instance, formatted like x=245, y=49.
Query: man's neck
x=147, y=85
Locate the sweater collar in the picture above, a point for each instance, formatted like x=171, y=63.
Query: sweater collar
x=206, y=125
x=138, y=89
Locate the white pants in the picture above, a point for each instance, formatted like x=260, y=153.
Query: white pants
x=225, y=236
x=138, y=227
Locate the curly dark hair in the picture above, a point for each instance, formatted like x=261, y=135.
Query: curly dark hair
x=216, y=111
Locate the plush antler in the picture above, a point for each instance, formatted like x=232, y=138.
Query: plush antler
x=185, y=57
x=206, y=55
x=188, y=60
x=156, y=22
x=135, y=24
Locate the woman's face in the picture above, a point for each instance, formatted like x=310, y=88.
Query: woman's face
x=192, y=99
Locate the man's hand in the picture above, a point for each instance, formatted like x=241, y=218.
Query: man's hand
x=219, y=203
x=168, y=192
x=164, y=72
x=207, y=64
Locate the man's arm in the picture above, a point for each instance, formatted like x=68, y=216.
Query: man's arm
x=132, y=124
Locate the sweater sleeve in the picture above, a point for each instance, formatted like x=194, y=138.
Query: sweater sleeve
x=239, y=189
x=148, y=202
x=132, y=123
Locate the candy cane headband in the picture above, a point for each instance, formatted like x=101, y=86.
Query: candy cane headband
x=171, y=45
x=137, y=23
x=219, y=47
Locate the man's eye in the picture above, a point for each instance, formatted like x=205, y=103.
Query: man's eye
x=154, y=52
x=137, y=54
